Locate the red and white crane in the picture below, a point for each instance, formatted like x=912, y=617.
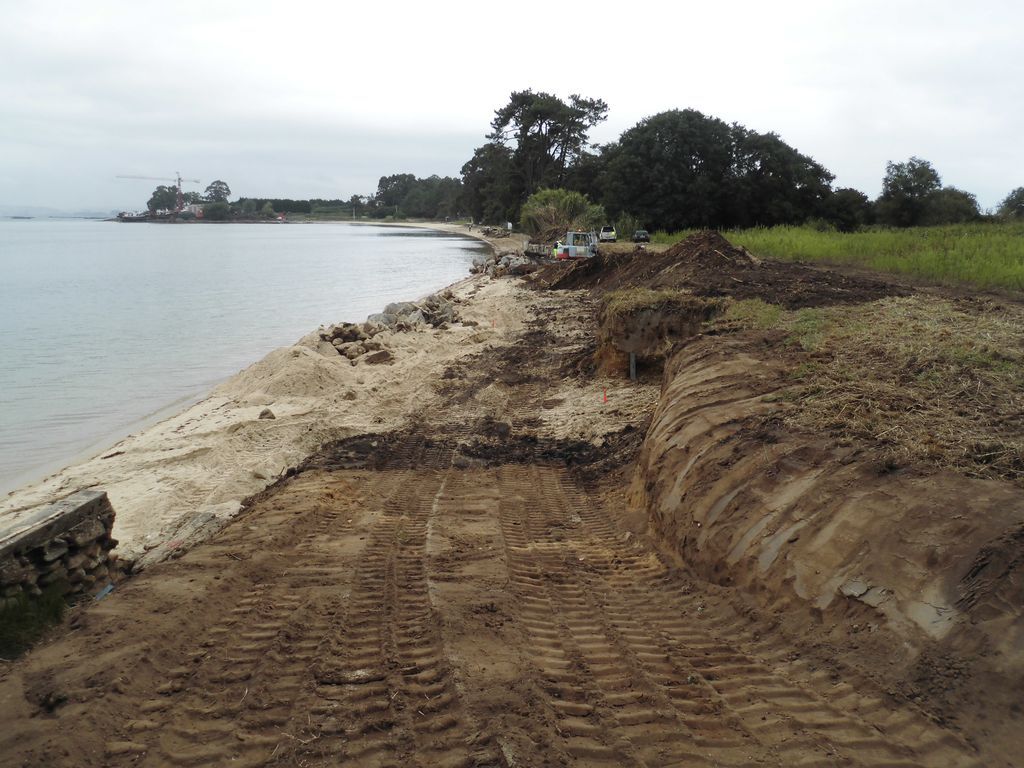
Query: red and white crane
x=180, y=203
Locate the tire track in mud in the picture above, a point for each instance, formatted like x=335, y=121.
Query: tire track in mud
x=233, y=695
x=335, y=657
x=639, y=672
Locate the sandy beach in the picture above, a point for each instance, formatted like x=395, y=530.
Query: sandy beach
x=183, y=477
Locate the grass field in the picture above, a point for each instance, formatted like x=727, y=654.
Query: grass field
x=982, y=255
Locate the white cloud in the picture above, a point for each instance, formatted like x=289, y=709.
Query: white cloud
x=321, y=99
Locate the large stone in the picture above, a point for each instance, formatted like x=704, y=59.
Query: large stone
x=52, y=550
x=374, y=358
x=14, y=572
x=445, y=314
x=85, y=532
x=520, y=265
x=400, y=308
x=344, y=333
x=59, y=574
x=382, y=319
x=415, y=317
x=78, y=560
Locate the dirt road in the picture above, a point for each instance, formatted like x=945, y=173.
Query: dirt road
x=457, y=594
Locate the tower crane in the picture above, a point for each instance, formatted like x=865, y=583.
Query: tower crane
x=180, y=203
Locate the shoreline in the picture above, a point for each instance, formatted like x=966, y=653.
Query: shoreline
x=117, y=460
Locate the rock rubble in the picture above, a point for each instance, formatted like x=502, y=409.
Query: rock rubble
x=357, y=342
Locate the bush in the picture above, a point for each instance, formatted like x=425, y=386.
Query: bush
x=550, y=213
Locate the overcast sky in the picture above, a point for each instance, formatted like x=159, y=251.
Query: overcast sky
x=321, y=99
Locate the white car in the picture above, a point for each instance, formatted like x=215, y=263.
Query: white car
x=608, y=235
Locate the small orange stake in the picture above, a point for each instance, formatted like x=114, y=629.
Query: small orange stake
x=605, y=395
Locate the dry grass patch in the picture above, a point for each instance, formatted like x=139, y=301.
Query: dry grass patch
x=629, y=301
x=923, y=378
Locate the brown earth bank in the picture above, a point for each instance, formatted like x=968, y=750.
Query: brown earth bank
x=546, y=566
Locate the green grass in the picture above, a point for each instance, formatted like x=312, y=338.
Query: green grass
x=989, y=255
x=806, y=328
x=24, y=623
x=753, y=313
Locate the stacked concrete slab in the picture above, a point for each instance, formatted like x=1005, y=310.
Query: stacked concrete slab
x=65, y=545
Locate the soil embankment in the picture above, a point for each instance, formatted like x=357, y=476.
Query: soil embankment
x=896, y=543
x=527, y=563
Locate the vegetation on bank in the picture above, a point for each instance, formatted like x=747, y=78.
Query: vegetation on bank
x=926, y=379
x=24, y=619
x=985, y=255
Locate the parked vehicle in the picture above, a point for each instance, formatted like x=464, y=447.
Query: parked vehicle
x=641, y=236
x=608, y=235
x=577, y=245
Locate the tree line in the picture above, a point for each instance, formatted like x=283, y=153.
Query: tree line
x=681, y=169
x=675, y=170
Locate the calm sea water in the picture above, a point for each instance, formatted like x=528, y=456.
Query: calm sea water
x=104, y=324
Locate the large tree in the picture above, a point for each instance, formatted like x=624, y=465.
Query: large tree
x=432, y=198
x=164, y=198
x=950, y=205
x=771, y=183
x=487, y=190
x=905, y=191
x=1012, y=206
x=546, y=137
x=682, y=169
x=847, y=209
x=669, y=170
x=217, y=192
x=391, y=190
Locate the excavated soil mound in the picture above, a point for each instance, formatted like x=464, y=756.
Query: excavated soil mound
x=706, y=264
